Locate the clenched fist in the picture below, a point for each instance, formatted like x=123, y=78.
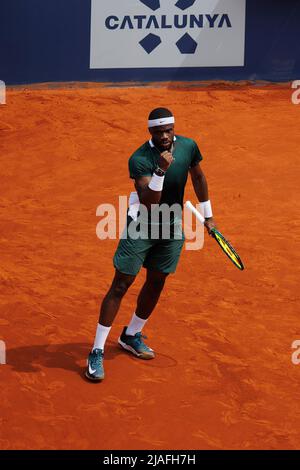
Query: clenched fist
x=165, y=160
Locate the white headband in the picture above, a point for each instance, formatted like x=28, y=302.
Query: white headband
x=161, y=121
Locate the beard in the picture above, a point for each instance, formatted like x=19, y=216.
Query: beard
x=163, y=148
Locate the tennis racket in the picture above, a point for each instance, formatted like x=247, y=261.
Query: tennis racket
x=220, y=239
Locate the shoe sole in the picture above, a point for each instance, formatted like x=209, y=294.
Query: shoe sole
x=93, y=379
x=133, y=351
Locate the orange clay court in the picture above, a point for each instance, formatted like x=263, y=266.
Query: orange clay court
x=223, y=377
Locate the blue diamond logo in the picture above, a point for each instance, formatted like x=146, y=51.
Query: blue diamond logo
x=184, y=4
x=186, y=44
x=150, y=42
x=153, y=4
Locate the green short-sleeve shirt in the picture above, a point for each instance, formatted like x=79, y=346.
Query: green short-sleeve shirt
x=186, y=154
x=157, y=253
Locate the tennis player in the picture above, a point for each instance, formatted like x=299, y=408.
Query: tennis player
x=159, y=169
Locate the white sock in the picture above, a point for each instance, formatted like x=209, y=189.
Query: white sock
x=101, y=335
x=136, y=325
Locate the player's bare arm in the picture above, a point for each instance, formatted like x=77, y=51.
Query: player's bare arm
x=201, y=189
x=148, y=196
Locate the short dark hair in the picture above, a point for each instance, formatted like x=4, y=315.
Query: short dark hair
x=159, y=113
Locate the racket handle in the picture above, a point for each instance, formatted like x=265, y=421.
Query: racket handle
x=193, y=209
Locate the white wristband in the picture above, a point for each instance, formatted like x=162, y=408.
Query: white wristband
x=206, y=209
x=156, y=183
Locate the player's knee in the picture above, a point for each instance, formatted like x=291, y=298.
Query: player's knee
x=120, y=288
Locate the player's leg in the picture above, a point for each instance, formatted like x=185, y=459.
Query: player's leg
x=150, y=293
x=161, y=260
x=112, y=300
x=131, y=338
x=128, y=260
x=108, y=311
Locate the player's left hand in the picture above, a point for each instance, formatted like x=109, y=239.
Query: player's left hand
x=210, y=224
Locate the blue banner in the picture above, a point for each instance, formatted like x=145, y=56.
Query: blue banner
x=52, y=40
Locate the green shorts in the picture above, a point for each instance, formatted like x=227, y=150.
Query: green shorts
x=154, y=254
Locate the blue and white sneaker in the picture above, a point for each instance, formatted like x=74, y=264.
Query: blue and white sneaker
x=136, y=345
x=95, y=370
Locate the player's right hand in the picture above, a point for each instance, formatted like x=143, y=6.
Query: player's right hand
x=165, y=160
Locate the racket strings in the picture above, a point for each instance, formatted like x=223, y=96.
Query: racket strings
x=228, y=249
